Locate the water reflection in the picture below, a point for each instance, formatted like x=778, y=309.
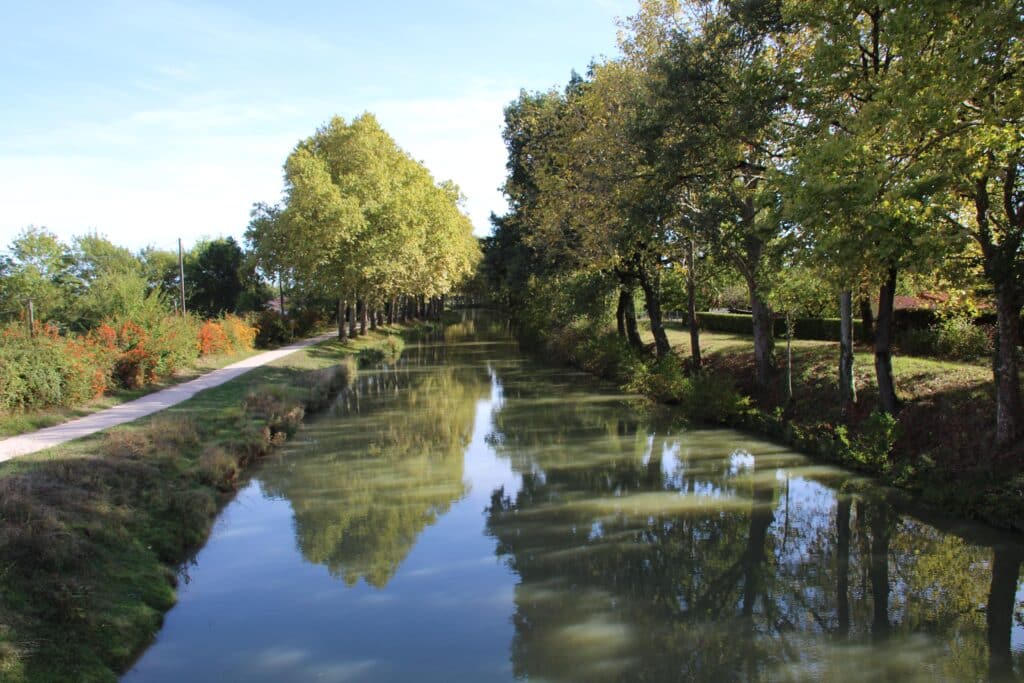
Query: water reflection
x=482, y=517
x=648, y=555
x=368, y=482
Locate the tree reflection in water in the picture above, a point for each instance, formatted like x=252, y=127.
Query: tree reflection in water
x=367, y=484
x=647, y=554
x=642, y=552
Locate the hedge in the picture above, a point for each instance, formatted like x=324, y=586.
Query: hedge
x=825, y=329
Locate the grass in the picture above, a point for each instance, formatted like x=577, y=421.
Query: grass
x=21, y=422
x=92, y=533
x=943, y=441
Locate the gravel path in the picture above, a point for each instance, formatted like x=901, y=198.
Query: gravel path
x=140, y=407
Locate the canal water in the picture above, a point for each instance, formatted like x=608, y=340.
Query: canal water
x=469, y=514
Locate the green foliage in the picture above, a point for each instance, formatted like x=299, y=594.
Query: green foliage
x=37, y=268
x=386, y=350
x=119, y=295
x=271, y=330
x=48, y=370
x=213, y=277
x=702, y=396
x=953, y=338
x=381, y=226
x=873, y=442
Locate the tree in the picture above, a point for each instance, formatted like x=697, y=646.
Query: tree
x=37, y=268
x=964, y=87
x=213, y=282
x=865, y=192
x=94, y=255
x=723, y=87
x=363, y=223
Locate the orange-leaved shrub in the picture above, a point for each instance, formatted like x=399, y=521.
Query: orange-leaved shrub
x=46, y=369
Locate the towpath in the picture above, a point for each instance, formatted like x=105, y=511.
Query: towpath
x=49, y=437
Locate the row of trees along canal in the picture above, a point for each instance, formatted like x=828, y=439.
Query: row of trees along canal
x=849, y=144
x=364, y=224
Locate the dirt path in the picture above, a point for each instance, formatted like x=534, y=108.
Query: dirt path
x=140, y=407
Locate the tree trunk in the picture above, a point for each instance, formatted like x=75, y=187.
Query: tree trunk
x=847, y=390
x=632, y=330
x=351, y=311
x=620, y=314
x=341, y=319
x=1006, y=370
x=843, y=564
x=867, y=319
x=391, y=311
x=789, y=357
x=373, y=318
x=761, y=517
x=691, y=307
x=764, y=342
x=999, y=614
x=879, y=570
x=361, y=312
x=883, y=345
x=652, y=299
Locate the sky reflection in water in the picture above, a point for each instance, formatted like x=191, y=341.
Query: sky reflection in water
x=470, y=515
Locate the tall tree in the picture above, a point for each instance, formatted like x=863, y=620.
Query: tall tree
x=724, y=85
x=212, y=277
x=865, y=191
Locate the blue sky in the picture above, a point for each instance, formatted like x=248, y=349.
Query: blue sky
x=149, y=120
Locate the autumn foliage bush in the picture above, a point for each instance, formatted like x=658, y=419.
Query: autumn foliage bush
x=48, y=369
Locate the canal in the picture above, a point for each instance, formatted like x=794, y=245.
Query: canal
x=470, y=514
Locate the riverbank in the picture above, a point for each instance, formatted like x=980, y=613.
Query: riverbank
x=92, y=533
x=938, y=448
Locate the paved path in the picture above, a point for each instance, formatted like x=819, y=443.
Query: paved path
x=140, y=407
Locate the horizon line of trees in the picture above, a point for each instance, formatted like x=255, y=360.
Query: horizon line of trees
x=800, y=146
x=77, y=284
x=366, y=226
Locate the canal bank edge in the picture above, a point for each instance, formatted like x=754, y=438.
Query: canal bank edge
x=872, y=447
x=94, y=532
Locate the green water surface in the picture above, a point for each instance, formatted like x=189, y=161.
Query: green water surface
x=470, y=514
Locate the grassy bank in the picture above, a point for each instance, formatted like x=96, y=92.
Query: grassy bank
x=92, y=533
x=940, y=446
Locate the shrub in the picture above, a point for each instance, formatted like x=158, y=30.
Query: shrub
x=218, y=468
x=955, y=338
x=961, y=339
x=703, y=396
x=607, y=355
x=387, y=350
x=271, y=329
x=873, y=443
x=281, y=412
x=49, y=370
x=306, y=321
x=240, y=333
x=323, y=384
x=212, y=339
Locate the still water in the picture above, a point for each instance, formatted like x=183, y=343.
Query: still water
x=471, y=515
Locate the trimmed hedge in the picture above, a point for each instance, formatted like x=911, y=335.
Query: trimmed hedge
x=825, y=329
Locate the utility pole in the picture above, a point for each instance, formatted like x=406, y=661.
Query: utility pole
x=181, y=274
